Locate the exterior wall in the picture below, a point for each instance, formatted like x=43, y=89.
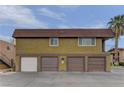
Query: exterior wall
x=18, y=64
x=109, y=63
x=7, y=54
x=63, y=65
x=66, y=45
x=121, y=56
x=120, y=53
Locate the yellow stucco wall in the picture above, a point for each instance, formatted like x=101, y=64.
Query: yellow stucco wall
x=109, y=63
x=66, y=45
x=17, y=64
x=63, y=63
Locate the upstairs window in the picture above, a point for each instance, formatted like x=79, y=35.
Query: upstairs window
x=54, y=41
x=86, y=41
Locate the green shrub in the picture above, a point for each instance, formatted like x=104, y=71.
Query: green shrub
x=121, y=63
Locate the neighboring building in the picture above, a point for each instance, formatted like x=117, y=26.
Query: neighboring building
x=62, y=50
x=7, y=54
x=120, y=54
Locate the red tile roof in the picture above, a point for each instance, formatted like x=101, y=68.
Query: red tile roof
x=37, y=33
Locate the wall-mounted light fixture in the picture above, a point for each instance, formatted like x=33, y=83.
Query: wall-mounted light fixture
x=62, y=60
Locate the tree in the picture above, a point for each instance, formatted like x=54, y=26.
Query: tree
x=117, y=25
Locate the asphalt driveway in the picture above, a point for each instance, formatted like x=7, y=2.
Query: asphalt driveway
x=64, y=79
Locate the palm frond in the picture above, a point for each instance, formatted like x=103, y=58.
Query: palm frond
x=117, y=24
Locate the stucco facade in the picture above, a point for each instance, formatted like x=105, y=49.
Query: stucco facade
x=39, y=47
x=66, y=46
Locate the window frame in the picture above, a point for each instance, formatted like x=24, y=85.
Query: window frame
x=50, y=44
x=86, y=38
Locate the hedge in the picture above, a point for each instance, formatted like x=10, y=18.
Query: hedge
x=121, y=63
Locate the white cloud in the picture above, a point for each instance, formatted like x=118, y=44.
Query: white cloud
x=63, y=26
x=52, y=14
x=100, y=25
x=4, y=24
x=6, y=38
x=97, y=26
x=20, y=16
x=68, y=26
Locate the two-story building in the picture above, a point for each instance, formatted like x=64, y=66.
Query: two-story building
x=62, y=50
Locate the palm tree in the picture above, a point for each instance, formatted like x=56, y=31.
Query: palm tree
x=117, y=26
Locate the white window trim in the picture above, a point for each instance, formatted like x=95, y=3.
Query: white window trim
x=86, y=45
x=53, y=45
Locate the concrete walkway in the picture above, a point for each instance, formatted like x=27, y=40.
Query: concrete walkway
x=64, y=79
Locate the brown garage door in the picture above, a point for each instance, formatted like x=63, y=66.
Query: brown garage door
x=49, y=64
x=96, y=64
x=75, y=64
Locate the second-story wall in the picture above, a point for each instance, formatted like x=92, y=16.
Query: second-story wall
x=66, y=46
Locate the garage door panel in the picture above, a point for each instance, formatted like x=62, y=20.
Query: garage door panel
x=95, y=70
x=49, y=69
x=77, y=60
x=28, y=64
x=49, y=64
x=75, y=64
x=76, y=69
x=73, y=60
x=95, y=59
x=48, y=59
x=96, y=64
x=53, y=66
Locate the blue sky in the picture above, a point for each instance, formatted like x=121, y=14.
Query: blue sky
x=12, y=17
